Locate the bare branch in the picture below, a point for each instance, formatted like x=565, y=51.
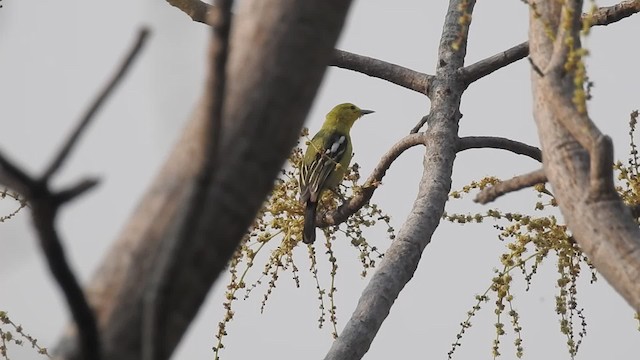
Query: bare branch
x=72, y=192
x=602, y=16
x=484, y=67
x=64, y=151
x=479, y=142
x=354, y=204
x=404, y=77
x=15, y=178
x=197, y=10
x=420, y=124
x=45, y=205
x=410, y=79
x=491, y=193
x=402, y=257
x=611, y=14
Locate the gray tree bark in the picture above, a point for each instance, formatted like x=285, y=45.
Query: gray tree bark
x=578, y=159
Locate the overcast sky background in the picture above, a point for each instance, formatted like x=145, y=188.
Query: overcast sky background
x=54, y=56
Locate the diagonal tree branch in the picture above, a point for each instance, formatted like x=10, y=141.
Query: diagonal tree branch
x=601, y=17
x=342, y=213
x=492, y=142
x=401, y=76
x=72, y=140
x=267, y=76
x=402, y=257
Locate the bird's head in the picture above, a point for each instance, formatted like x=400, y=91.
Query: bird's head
x=346, y=114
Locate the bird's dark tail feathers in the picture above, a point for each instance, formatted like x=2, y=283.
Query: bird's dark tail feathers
x=309, y=232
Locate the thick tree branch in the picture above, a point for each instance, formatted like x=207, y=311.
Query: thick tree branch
x=516, y=147
x=578, y=158
x=279, y=52
x=402, y=257
x=158, y=317
x=401, y=76
x=491, y=193
x=354, y=204
x=601, y=17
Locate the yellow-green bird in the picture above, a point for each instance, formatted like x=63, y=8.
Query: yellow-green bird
x=326, y=161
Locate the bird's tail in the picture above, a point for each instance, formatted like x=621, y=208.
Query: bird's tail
x=309, y=232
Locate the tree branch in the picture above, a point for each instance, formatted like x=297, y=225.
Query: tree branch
x=157, y=318
x=63, y=154
x=354, y=204
x=611, y=14
x=420, y=124
x=578, y=158
x=601, y=17
x=516, y=147
x=45, y=205
x=401, y=76
x=197, y=10
x=402, y=257
x=410, y=79
x=267, y=76
x=491, y=193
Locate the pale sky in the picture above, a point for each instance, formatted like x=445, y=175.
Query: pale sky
x=54, y=56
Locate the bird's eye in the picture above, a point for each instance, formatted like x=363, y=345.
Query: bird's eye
x=353, y=107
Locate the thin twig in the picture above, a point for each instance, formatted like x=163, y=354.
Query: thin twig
x=602, y=16
x=420, y=124
x=72, y=192
x=356, y=202
x=63, y=154
x=401, y=76
x=491, y=193
x=492, y=142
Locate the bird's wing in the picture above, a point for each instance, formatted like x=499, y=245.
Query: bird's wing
x=327, y=155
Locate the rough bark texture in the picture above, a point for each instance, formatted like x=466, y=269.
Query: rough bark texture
x=401, y=260
x=279, y=52
x=577, y=158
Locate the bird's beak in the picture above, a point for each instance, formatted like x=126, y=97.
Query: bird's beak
x=365, y=112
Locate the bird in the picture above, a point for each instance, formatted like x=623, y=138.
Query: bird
x=325, y=161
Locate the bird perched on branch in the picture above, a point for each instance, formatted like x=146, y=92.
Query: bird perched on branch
x=326, y=161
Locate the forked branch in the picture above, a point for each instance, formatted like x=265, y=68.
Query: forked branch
x=45, y=204
x=601, y=17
